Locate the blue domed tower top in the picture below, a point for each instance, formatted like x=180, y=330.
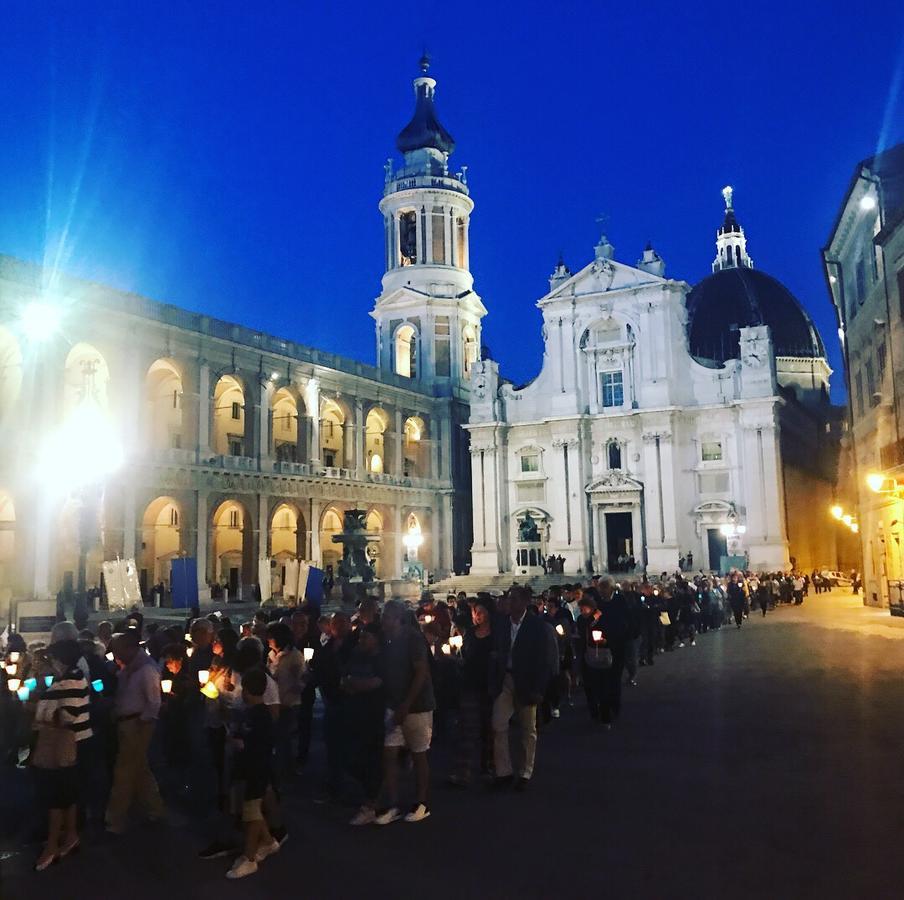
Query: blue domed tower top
x=424, y=131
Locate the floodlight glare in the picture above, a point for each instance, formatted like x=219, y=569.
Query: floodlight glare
x=40, y=320
x=867, y=202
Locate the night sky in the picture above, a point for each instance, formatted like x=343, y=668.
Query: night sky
x=228, y=157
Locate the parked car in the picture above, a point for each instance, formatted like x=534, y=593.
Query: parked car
x=836, y=579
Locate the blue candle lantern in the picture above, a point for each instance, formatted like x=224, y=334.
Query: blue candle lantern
x=48, y=680
x=98, y=685
x=31, y=683
x=23, y=693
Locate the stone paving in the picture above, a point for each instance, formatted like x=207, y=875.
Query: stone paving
x=765, y=762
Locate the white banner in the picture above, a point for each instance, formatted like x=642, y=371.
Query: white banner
x=263, y=579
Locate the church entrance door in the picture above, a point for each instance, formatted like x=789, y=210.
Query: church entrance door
x=619, y=541
x=717, y=547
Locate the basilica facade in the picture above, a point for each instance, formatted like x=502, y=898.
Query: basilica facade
x=233, y=446
x=667, y=424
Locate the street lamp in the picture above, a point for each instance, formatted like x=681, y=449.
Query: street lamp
x=837, y=512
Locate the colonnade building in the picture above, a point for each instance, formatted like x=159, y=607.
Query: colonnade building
x=232, y=445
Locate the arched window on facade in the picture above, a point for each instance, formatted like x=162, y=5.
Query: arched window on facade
x=406, y=351
x=469, y=349
x=374, y=442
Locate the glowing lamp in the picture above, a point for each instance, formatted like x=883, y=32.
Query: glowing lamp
x=23, y=693
x=14, y=684
x=166, y=686
x=597, y=635
x=847, y=518
x=560, y=630
x=187, y=637
x=14, y=656
x=308, y=654
x=210, y=691
x=867, y=202
x=446, y=649
x=98, y=685
x=40, y=321
x=456, y=641
x=31, y=683
x=203, y=676
x=428, y=620
x=110, y=657
x=48, y=680
x=189, y=651
x=855, y=527
x=837, y=512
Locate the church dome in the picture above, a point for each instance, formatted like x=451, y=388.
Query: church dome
x=738, y=298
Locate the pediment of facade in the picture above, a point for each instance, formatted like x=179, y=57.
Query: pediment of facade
x=614, y=483
x=602, y=276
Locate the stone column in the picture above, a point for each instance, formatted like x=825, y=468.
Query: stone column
x=201, y=540
x=204, y=410
x=316, y=510
x=444, y=539
x=398, y=548
x=360, y=427
x=263, y=526
x=265, y=428
x=128, y=521
x=303, y=436
x=398, y=441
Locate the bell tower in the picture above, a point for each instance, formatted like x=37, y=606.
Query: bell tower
x=731, y=242
x=427, y=315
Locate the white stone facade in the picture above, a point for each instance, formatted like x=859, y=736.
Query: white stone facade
x=624, y=444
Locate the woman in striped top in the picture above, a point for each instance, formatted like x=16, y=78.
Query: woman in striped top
x=63, y=713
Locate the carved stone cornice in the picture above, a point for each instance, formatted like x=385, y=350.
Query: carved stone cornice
x=649, y=437
x=565, y=442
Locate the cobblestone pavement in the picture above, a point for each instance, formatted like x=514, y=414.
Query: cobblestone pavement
x=765, y=762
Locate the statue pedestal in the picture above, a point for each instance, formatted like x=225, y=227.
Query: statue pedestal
x=529, y=556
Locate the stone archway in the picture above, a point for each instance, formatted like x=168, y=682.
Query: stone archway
x=161, y=540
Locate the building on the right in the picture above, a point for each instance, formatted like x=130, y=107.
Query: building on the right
x=864, y=268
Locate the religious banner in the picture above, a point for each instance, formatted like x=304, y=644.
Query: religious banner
x=184, y=582
x=263, y=579
x=121, y=582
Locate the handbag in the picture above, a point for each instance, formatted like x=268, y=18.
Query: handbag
x=598, y=657
x=55, y=748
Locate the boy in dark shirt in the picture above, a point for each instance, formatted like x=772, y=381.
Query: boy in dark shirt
x=253, y=766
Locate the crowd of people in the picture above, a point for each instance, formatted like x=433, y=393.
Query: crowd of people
x=224, y=714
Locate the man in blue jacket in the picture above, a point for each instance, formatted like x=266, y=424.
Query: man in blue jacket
x=520, y=675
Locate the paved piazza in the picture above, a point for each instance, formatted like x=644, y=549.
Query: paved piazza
x=764, y=763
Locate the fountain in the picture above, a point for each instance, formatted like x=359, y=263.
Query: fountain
x=355, y=566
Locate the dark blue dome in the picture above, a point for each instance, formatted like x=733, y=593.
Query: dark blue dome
x=424, y=129
x=738, y=298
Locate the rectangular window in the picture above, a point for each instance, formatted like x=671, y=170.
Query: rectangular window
x=873, y=264
x=408, y=238
x=712, y=451
x=858, y=392
x=870, y=383
x=233, y=518
x=443, y=357
x=329, y=458
x=530, y=462
x=439, y=235
x=612, y=389
x=860, y=274
x=235, y=446
x=236, y=410
x=881, y=354
x=461, y=262
x=176, y=400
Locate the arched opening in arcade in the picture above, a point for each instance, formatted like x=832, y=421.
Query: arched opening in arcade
x=406, y=351
x=7, y=548
x=231, y=556
x=374, y=523
x=284, y=426
x=416, y=463
x=10, y=373
x=161, y=541
x=330, y=525
x=229, y=417
x=163, y=390
x=374, y=440
x=287, y=541
x=332, y=433
x=86, y=377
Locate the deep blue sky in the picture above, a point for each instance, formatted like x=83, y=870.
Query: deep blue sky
x=228, y=157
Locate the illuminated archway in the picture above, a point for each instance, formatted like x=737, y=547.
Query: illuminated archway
x=374, y=441
x=284, y=422
x=330, y=524
x=416, y=461
x=161, y=539
x=229, y=417
x=86, y=375
x=374, y=523
x=332, y=433
x=163, y=392
x=230, y=549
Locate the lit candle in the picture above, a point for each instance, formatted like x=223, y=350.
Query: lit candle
x=210, y=691
x=596, y=634
x=23, y=693
x=428, y=619
x=456, y=641
x=308, y=654
x=560, y=630
x=203, y=676
x=189, y=651
x=14, y=684
x=166, y=685
x=110, y=656
x=187, y=637
x=446, y=649
x=14, y=656
x=48, y=680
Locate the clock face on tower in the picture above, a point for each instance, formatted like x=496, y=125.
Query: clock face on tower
x=752, y=354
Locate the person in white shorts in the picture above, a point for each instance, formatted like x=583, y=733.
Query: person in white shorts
x=409, y=715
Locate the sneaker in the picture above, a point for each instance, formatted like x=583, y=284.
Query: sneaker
x=266, y=850
x=680, y=643
x=216, y=850
x=364, y=816
x=419, y=812
x=633, y=682
x=388, y=816
x=556, y=713
x=242, y=867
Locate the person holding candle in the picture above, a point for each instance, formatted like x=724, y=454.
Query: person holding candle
x=300, y=623
x=287, y=666
x=520, y=676
x=61, y=720
x=562, y=623
x=475, y=705
x=594, y=663
x=137, y=708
